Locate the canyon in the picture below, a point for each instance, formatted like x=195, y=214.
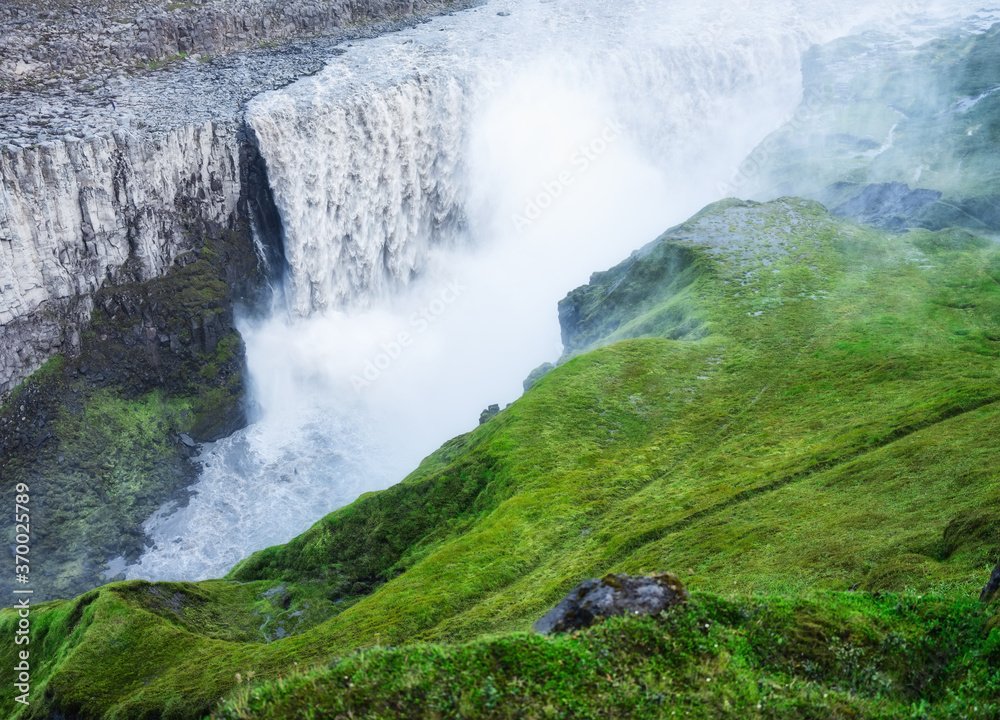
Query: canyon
x=263, y=265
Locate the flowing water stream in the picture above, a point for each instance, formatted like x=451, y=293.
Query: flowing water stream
x=441, y=189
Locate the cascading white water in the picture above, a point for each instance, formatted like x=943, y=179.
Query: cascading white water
x=366, y=182
x=441, y=189
x=369, y=159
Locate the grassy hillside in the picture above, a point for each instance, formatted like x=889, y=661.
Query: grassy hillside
x=770, y=402
x=832, y=656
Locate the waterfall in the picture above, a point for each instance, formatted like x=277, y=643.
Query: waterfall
x=440, y=190
x=369, y=158
x=365, y=183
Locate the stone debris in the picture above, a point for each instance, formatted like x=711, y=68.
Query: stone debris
x=488, y=414
x=610, y=596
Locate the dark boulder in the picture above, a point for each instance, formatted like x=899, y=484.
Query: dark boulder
x=992, y=586
x=889, y=206
x=488, y=414
x=613, y=595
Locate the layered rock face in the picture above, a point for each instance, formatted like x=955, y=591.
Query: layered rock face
x=102, y=189
x=75, y=214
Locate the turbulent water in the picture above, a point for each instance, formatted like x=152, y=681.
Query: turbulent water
x=440, y=190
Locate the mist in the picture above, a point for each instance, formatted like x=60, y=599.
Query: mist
x=526, y=151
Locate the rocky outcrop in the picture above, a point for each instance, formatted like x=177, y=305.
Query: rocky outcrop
x=595, y=312
x=613, y=595
x=992, y=586
x=895, y=207
x=107, y=437
x=40, y=41
x=488, y=414
x=74, y=215
x=890, y=206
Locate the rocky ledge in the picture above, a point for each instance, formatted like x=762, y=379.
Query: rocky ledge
x=104, y=438
x=90, y=67
x=45, y=42
x=100, y=172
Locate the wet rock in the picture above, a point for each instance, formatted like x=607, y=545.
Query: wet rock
x=992, y=586
x=891, y=206
x=613, y=595
x=276, y=590
x=488, y=414
x=278, y=595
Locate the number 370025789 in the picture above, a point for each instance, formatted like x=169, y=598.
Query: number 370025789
x=22, y=528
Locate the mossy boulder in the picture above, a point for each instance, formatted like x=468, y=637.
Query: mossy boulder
x=611, y=596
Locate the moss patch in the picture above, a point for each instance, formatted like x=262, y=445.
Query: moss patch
x=97, y=437
x=829, y=656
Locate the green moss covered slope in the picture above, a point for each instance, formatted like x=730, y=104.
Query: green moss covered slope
x=769, y=401
x=829, y=656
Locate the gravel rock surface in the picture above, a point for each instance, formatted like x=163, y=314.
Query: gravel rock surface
x=87, y=68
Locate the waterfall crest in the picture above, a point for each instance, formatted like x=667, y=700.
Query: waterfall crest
x=369, y=158
x=365, y=184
